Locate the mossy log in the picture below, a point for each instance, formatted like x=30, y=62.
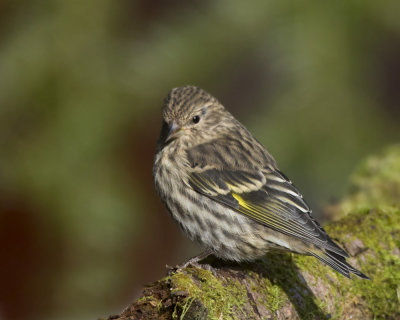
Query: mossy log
x=288, y=286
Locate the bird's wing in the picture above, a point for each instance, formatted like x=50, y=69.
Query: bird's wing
x=263, y=194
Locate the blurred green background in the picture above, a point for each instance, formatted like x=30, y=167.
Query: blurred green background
x=81, y=87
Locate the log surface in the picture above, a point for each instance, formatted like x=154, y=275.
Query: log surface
x=289, y=286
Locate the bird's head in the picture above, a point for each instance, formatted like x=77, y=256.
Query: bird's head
x=191, y=114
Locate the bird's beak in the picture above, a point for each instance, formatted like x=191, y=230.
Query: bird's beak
x=174, y=128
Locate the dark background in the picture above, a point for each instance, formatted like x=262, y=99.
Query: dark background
x=81, y=87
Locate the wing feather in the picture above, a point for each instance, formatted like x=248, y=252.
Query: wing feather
x=263, y=194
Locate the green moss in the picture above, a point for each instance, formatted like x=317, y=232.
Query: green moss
x=281, y=282
x=268, y=294
x=145, y=299
x=375, y=182
x=185, y=306
x=381, y=232
x=222, y=299
x=151, y=300
x=275, y=298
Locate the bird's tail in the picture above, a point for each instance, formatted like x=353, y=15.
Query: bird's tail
x=337, y=262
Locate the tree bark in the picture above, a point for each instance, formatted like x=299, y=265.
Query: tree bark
x=289, y=286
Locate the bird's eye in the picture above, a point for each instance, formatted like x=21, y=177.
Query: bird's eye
x=196, y=119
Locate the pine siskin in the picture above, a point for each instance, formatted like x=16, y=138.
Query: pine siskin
x=225, y=190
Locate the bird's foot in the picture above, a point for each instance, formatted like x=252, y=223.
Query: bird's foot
x=195, y=263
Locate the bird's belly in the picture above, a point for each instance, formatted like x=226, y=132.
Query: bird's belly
x=228, y=234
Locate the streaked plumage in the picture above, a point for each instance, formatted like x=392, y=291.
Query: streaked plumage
x=225, y=190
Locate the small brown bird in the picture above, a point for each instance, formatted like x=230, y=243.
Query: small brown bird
x=225, y=190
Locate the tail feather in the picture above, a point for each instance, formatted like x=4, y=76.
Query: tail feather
x=338, y=263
